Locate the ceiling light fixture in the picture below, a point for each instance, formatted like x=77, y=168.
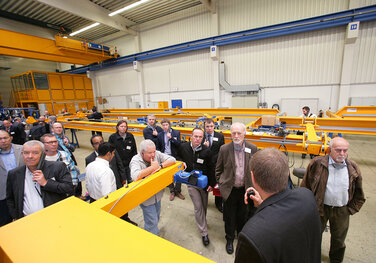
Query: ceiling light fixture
x=84, y=29
x=128, y=7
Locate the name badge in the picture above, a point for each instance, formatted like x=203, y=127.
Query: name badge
x=175, y=138
x=215, y=139
x=247, y=150
x=129, y=147
x=201, y=161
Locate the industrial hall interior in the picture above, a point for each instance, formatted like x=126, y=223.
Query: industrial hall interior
x=188, y=131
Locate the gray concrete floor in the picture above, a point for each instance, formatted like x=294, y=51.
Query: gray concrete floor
x=177, y=223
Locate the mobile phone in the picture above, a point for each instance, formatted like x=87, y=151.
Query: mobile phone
x=41, y=161
x=249, y=193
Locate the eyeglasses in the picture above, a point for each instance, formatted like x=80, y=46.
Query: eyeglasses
x=52, y=142
x=340, y=150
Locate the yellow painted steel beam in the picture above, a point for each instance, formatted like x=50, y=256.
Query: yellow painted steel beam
x=75, y=231
x=252, y=113
x=348, y=125
x=357, y=112
x=27, y=46
x=332, y=115
x=127, y=198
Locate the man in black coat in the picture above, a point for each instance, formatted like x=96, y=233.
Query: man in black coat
x=116, y=166
x=214, y=140
x=37, y=184
x=168, y=142
x=17, y=131
x=151, y=131
x=95, y=115
x=197, y=156
x=286, y=225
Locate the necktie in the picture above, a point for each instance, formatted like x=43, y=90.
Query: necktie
x=209, y=139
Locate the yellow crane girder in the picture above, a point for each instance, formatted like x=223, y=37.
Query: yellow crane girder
x=60, y=50
x=104, y=234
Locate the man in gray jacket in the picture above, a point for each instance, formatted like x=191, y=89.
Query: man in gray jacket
x=10, y=158
x=147, y=162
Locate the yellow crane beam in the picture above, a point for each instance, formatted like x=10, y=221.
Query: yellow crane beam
x=357, y=112
x=60, y=50
x=104, y=235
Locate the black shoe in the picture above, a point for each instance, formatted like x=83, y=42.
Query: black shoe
x=303, y=155
x=230, y=246
x=205, y=240
x=130, y=221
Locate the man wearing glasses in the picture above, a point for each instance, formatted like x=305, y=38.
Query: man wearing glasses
x=336, y=183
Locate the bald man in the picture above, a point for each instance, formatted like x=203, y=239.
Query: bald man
x=336, y=183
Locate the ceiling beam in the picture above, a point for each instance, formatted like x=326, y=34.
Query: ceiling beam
x=93, y=12
x=210, y=5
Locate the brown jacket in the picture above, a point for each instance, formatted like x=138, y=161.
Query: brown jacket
x=225, y=168
x=316, y=177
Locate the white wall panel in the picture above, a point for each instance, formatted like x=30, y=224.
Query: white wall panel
x=186, y=29
x=303, y=59
x=183, y=72
x=117, y=81
x=364, y=69
x=125, y=45
x=236, y=15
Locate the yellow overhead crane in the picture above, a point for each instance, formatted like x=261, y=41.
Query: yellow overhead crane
x=103, y=234
x=62, y=49
x=359, y=112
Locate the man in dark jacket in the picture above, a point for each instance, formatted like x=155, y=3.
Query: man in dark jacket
x=197, y=156
x=17, y=131
x=214, y=140
x=95, y=116
x=151, y=131
x=125, y=145
x=286, y=225
x=233, y=177
x=37, y=184
x=336, y=183
x=168, y=142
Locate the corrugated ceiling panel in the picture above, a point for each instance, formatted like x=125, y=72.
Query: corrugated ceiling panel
x=239, y=15
x=189, y=71
x=364, y=68
x=191, y=28
x=361, y=3
x=312, y=58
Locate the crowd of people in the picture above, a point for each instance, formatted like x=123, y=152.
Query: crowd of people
x=272, y=222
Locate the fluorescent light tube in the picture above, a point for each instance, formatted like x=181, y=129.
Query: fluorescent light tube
x=84, y=29
x=128, y=7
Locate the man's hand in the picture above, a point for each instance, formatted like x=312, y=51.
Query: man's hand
x=209, y=188
x=155, y=133
x=155, y=165
x=256, y=198
x=169, y=135
x=206, y=143
x=38, y=176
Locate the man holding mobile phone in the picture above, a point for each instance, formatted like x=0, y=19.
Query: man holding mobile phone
x=37, y=184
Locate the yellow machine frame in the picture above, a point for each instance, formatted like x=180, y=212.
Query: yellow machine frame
x=58, y=91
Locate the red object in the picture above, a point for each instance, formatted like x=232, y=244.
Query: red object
x=216, y=191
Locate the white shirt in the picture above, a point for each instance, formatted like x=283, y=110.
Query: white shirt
x=337, y=187
x=100, y=179
x=32, y=195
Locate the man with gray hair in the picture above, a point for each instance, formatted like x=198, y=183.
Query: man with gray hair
x=10, y=158
x=151, y=131
x=233, y=176
x=286, y=224
x=149, y=161
x=336, y=183
x=38, y=183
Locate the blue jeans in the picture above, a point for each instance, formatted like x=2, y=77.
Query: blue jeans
x=151, y=217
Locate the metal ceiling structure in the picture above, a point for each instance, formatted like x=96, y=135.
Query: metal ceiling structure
x=72, y=15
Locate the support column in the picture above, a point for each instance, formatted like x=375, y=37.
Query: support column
x=215, y=61
x=140, y=73
x=351, y=44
